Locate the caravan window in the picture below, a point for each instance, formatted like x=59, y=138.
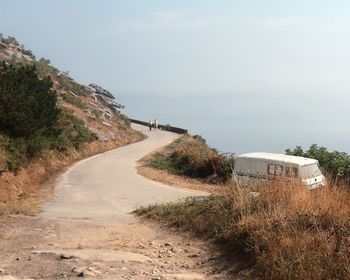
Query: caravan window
x=279, y=170
x=291, y=172
x=275, y=170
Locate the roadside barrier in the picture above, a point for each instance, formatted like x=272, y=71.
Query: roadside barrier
x=166, y=127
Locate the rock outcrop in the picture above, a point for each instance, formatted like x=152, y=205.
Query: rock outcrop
x=96, y=106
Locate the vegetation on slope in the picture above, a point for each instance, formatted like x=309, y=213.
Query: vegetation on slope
x=30, y=121
x=335, y=164
x=47, y=121
x=192, y=157
x=287, y=231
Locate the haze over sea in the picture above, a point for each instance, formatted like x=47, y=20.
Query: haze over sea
x=252, y=123
x=246, y=75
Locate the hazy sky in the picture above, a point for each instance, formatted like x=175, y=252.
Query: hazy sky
x=262, y=58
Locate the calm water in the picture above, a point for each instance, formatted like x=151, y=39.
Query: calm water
x=246, y=124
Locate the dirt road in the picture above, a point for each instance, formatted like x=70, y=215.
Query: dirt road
x=86, y=229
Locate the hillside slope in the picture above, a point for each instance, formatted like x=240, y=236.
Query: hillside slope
x=82, y=107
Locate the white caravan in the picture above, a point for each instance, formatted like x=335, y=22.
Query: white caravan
x=278, y=166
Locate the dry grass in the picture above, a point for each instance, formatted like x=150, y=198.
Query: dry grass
x=164, y=175
x=288, y=231
x=191, y=157
x=26, y=204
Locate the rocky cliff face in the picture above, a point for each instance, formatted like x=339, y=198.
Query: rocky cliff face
x=96, y=106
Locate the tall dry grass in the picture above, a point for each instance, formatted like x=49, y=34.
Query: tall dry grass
x=294, y=233
x=288, y=231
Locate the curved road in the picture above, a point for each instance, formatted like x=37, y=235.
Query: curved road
x=107, y=187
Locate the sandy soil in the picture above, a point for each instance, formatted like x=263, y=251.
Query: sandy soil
x=86, y=229
x=33, y=248
x=177, y=181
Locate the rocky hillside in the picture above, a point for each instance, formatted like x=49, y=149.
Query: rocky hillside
x=88, y=121
x=96, y=106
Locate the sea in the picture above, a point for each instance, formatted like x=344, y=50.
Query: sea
x=239, y=124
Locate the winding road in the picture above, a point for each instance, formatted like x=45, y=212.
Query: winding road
x=87, y=229
x=107, y=186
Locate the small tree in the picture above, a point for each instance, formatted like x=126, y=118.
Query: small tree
x=27, y=106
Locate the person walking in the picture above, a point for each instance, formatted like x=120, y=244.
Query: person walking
x=155, y=124
x=150, y=125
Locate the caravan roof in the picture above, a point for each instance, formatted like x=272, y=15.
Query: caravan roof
x=279, y=157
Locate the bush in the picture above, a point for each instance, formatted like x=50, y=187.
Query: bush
x=30, y=121
x=72, y=132
x=336, y=164
x=28, y=114
x=124, y=119
x=44, y=69
x=67, y=84
x=16, y=155
x=27, y=104
x=74, y=100
x=192, y=157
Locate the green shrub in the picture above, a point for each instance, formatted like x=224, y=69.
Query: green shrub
x=192, y=157
x=28, y=114
x=336, y=164
x=72, y=132
x=163, y=162
x=16, y=155
x=68, y=84
x=27, y=104
x=76, y=101
x=124, y=119
x=30, y=121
